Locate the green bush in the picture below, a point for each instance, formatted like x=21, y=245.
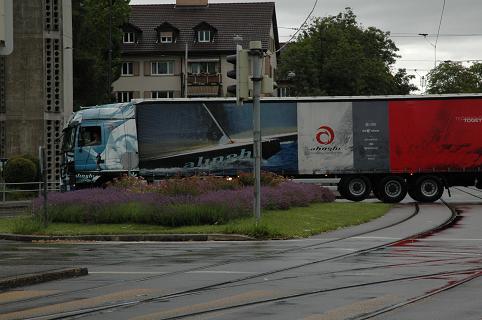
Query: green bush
x=174, y=215
x=36, y=162
x=19, y=169
x=267, y=179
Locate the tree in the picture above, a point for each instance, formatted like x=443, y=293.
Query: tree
x=91, y=47
x=337, y=56
x=453, y=77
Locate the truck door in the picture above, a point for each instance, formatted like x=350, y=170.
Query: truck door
x=89, y=145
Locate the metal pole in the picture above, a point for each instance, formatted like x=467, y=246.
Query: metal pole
x=109, y=73
x=185, y=73
x=43, y=170
x=256, y=56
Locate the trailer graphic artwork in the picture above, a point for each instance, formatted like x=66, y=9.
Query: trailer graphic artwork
x=325, y=135
x=388, y=145
x=214, y=137
x=315, y=157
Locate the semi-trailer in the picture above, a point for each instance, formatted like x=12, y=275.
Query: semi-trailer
x=388, y=145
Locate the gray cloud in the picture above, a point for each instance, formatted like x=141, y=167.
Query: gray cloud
x=402, y=19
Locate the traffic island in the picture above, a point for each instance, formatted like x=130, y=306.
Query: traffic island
x=128, y=237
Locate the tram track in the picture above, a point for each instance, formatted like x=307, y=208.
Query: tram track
x=315, y=246
x=218, y=285
x=478, y=195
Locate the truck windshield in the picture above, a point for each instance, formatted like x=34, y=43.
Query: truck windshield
x=90, y=136
x=68, y=139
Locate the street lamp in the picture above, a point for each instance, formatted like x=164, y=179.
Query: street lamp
x=424, y=35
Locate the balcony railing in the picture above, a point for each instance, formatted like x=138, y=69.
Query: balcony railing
x=204, y=79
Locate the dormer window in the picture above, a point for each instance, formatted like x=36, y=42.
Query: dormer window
x=166, y=37
x=204, y=36
x=204, y=32
x=132, y=34
x=166, y=33
x=129, y=37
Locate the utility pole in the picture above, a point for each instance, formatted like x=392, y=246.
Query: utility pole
x=185, y=73
x=256, y=53
x=109, y=72
x=43, y=171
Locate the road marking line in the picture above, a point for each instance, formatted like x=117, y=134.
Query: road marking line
x=126, y=272
x=355, y=309
x=222, y=272
x=210, y=305
x=13, y=296
x=77, y=304
x=376, y=238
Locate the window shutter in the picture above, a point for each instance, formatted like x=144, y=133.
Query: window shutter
x=136, y=95
x=147, y=94
x=135, y=67
x=147, y=68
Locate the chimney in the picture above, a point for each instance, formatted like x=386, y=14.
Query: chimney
x=197, y=3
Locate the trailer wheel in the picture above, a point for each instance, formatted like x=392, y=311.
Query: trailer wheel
x=355, y=188
x=413, y=193
x=391, y=189
x=428, y=188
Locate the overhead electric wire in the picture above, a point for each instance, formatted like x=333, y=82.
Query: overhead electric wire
x=299, y=29
x=416, y=35
x=440, y=23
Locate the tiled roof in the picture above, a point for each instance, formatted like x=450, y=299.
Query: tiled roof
x=252, y=21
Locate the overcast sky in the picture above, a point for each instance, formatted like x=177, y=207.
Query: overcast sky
x=460, y=32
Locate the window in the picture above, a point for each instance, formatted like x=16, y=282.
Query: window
x=90, y=136
x=162, y=68
x=204, y=36
x=166, y=37
x=127, y=69
x=203, y=67
x=124, y=96
x=129, y=37
x=162, y=94
x=69, y=139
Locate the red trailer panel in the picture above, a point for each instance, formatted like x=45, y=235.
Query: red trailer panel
x=435, y=135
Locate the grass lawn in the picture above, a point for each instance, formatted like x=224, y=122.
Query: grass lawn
x=279, y=224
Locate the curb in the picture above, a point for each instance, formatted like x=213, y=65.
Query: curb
x=34, y=278
x=129, y=237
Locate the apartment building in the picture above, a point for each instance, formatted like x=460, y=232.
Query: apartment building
x=158, y=38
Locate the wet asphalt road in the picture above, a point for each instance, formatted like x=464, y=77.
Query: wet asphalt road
x=326, y=277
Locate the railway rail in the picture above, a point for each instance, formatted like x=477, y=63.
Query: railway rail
x=464, y=275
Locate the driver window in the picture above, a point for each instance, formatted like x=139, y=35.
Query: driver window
x=90, y=136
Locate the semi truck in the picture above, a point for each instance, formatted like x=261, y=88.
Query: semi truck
x=385, y=145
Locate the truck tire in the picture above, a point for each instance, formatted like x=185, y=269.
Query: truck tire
x=391, y=189
x=413, y=193
x=355, y=188
x=428, y=188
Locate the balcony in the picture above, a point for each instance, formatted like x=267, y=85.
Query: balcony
x=204, y=79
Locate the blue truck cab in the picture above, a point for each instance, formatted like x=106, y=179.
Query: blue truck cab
x=99, y=139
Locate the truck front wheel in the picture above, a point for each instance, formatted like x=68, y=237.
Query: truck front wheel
x=427, y=189
x=391, y=189
x=355, y=188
